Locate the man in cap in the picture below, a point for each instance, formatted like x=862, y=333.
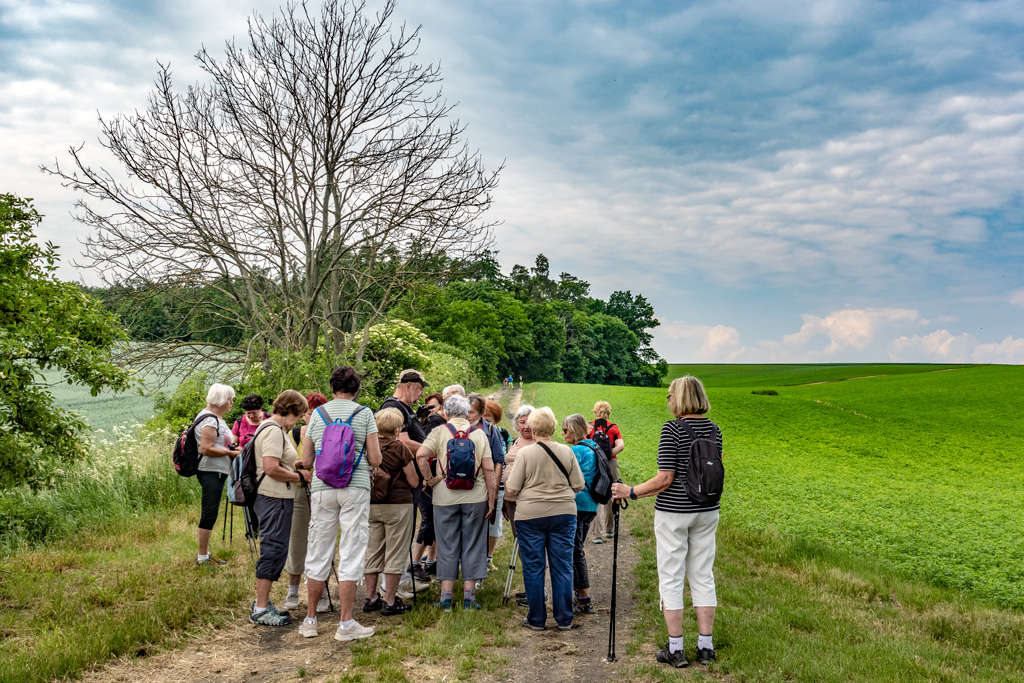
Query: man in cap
x=409, y=390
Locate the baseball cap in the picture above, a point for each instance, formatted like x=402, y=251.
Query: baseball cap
x=411, y=375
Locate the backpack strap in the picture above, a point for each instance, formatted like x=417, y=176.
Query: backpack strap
x=693, y=435
x=559, y=463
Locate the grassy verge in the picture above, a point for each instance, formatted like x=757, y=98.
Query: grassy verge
x=107, y=594
x=793, y=611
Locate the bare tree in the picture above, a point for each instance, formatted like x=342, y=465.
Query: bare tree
x=312, y=180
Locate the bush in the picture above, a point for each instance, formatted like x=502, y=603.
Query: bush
x=765, y=392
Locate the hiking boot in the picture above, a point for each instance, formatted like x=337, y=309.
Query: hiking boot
x=268, y=617
x=527, y=624
x=521, y=594
x=307, y=629
x=479, y=584
x=468, y=603
x=584, y=607
x=445, y=604
x=273, y=608
x=609, y=534
x=422, y=576
x=374, y=605
x=491, y=567
x=431, y=568
x=567, y=627
x=325, y=604
x=523, y=602
x=397, y=607
x=354, y=631
x=676, y=659
x=706, y=655
x=598, y=540
x=291, y=602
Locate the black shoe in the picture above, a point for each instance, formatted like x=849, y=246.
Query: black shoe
x=431, y=568
x=522, y=602
x=374, y=605
x=398, y=607
x=705, y=655
x=521, y=594
x=421, y=575
x=676, y=659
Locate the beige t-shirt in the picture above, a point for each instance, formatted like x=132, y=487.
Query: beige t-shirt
x=272, y=442
x=543, y=489
x=437, y=442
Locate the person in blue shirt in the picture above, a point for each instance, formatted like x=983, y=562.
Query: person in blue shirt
x=574, y=431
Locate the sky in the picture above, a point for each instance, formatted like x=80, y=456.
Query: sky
x=787, y=181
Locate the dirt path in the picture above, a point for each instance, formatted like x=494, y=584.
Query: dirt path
x=245, y=653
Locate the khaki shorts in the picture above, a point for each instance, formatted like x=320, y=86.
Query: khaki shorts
x=390, y=534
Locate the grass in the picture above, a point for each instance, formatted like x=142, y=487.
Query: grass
x=787, y=375
x=112, y=593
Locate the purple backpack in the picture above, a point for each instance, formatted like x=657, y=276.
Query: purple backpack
x=336, y=460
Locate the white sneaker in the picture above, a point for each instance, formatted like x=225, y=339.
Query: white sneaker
x=404, y=594
x=325, y=603
x=290, y=602
x=307, y=629
x=353, y=632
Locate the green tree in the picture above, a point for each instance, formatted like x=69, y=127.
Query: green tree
x=45, y=326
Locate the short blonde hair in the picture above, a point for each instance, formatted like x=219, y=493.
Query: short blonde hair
x=389, y=421
x=575, y=428
x=686, y=396
x=542, y=421
x=453, y=390
x=602, y=410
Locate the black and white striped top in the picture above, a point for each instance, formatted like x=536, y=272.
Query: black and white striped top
x=674, y=456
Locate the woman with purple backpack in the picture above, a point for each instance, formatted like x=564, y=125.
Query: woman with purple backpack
x=339, y=498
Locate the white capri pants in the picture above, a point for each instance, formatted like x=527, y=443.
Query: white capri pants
x=686, y=548
x=348, y=508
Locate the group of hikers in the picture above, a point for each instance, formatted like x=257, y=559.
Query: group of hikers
x=509, y=382
x=339, y=488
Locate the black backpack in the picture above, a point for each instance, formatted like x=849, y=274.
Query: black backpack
x=601, y=438
x=186, y=453
x=600, y=487
x=705, y=474
x=242, y=485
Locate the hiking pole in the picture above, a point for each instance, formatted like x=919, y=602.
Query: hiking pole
x=231, y=536
x=615, y=567
x=250, y=534
x=413, y=565
x=511, y=571
x=224, y=529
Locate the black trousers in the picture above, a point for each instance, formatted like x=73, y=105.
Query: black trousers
x=580, y=575
x=213, y=488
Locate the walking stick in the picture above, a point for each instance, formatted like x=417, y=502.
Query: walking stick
x=413, y=565
x=251, y=534
x=615, y=566
x=224, y=529
x=511, y=571
x=231, y=533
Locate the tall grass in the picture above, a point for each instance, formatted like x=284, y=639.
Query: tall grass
x=125, y=477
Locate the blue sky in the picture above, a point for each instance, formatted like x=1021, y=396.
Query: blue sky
x=785, y=181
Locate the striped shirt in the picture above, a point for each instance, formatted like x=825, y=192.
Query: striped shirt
x=674, y=456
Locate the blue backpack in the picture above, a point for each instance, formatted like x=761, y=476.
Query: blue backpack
x=461, y=457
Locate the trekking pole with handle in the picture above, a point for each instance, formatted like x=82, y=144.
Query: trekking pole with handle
x=617, y=505
x=511, y=571
x=224, y=529
x=413, y=565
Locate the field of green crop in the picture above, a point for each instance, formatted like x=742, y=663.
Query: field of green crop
x=917, y=470
x=784, y=375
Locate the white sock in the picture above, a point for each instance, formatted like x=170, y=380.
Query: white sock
x=675, y=644
x=704, y=643
x=202, y=558
x=293, y=590
x=309, y=620
x=259, y=610
x=348, y=623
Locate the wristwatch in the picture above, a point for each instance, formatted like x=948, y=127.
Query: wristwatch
x=632, y=496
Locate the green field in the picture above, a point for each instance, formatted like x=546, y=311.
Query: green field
x=916, y=470
x=785, y=375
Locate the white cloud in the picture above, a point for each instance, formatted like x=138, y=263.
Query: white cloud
x=705, y=343
x=1017, y=298
x=943, y=346
x=849, y=329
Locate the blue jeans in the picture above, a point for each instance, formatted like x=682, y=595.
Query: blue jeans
x=554, y=537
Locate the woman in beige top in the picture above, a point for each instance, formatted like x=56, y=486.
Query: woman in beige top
x=277, y=476
x=544, y=481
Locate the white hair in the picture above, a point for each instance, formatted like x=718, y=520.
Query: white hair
x=219, y=394
x=453, y=389
x=524, y=410
x=456, y=406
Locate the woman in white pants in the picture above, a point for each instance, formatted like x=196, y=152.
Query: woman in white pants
x=685, y=530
